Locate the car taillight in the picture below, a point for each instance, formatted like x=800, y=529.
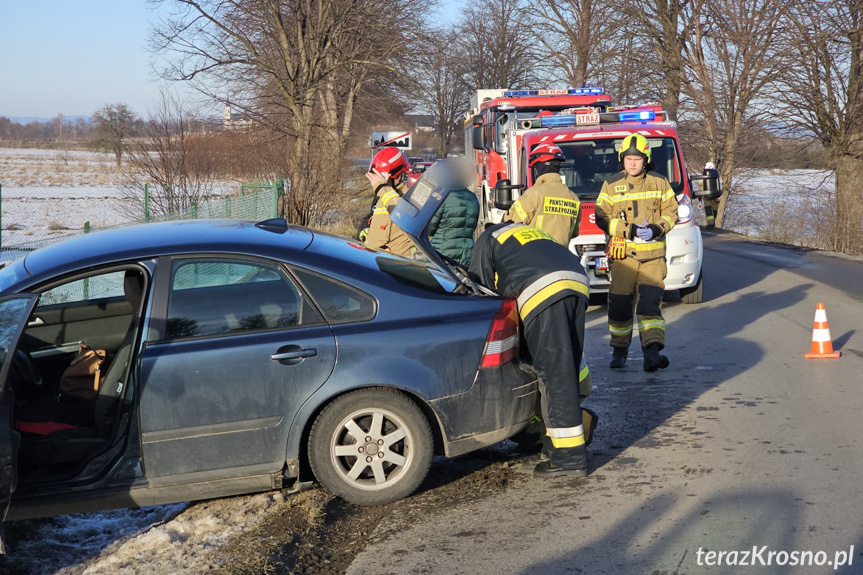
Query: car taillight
x=501, y=345
x=684, y=210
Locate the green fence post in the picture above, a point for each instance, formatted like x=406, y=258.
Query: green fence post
x=193, y=211
x=147, y=202
x=280, y=191
x=87, y=227
x=227, y=206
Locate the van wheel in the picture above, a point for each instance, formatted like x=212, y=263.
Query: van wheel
x=371, y=446
x=692, y=294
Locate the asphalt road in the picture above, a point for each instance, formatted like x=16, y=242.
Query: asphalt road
x=740, y=445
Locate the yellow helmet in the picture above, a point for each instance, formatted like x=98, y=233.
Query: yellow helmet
x=635, y=145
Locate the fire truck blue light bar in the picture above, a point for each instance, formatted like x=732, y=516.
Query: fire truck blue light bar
x=556, y=121
x=570, y=92
x=645, y=115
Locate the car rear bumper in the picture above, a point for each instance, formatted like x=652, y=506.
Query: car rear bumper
x=498, y=405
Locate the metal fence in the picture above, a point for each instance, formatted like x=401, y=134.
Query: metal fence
x=33, y=217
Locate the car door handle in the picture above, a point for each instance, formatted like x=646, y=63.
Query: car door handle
x=295, y=354
x=35, y=321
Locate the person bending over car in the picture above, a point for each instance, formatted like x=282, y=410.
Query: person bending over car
x=551, y=290
x=387, y=174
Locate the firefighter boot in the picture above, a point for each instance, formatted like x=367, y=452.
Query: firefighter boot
x=589, y=419
x=618, y=357
x=531, y=460
x=564, y=461
x=653, y=360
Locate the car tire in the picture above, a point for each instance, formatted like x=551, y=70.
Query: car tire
x=385, y=465
x=692, y=294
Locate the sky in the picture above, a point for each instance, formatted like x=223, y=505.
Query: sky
x=72, y=57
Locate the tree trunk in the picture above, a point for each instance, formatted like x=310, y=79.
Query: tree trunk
x=849, y=205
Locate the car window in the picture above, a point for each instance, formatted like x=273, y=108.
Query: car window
x=213, y=297
x=86, y=289
x=339, y=302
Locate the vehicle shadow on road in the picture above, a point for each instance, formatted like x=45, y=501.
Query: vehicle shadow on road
x=645, y=541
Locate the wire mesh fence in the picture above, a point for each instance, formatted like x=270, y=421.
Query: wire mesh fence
x=35, y=216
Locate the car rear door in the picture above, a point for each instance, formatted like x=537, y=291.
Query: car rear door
x=236, y=352
x=14, y=311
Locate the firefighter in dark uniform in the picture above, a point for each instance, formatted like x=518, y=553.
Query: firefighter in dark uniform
x=387, y=174
x=637, y=208
x=548, y=205
x=552, y=294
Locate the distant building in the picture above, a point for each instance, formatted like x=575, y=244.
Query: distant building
x=422, y=122
x=236, y=121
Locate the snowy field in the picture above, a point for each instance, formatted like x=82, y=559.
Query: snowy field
x=52, y=193
x=49, y=194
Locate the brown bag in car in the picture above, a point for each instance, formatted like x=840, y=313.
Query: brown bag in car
x=84, y=375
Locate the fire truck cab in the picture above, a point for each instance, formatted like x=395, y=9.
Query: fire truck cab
x=589, y=134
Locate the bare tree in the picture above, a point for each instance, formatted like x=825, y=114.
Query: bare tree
x=732, y=52
x=574, y=35
x=295, y=66
x=660, y=22
x=175, y=162
x=823, y=94
x=115, y=125
x=497, y=49
x=437, y=82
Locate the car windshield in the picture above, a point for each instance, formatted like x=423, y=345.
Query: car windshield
x=590, y=162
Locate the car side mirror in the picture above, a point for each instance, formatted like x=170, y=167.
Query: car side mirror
x=710, y=187
x=503, y=194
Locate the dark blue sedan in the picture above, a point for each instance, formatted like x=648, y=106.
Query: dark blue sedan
x=242, y=357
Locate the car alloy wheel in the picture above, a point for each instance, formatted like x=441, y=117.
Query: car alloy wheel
x=371, y=446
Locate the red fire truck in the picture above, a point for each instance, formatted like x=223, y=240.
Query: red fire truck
x=503, y=128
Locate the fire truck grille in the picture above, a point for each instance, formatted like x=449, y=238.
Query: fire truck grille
x=586, y=248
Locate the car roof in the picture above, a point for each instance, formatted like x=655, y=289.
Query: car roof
x=164, y=238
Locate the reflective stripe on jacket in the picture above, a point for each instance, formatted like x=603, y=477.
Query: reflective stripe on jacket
x=383, y=233
x=548, y=205
x=647, y=197
x=526, y=263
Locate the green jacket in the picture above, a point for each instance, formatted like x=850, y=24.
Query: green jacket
x=452, y=226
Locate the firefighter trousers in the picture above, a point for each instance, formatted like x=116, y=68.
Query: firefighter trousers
x=555, y=339
x=629, y=278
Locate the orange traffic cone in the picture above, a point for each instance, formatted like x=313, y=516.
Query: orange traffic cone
x=822, y=344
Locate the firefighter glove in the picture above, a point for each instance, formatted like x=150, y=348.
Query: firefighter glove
x=616, y=248
x=363, y=234
x=644, y=232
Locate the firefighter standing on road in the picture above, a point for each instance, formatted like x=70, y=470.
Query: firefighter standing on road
x=639, y=207
x=552, y=294
x=386, y=174
x=548, y=204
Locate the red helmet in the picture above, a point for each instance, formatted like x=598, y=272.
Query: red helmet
x=391, y=160
x=544, y=113
x=545, y=153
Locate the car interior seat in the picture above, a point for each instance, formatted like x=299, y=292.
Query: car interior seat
x=64, y=430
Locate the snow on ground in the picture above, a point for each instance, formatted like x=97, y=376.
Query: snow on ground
x=49, y=193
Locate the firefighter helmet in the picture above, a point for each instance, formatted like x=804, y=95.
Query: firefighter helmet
x=391, y=160
x=635, y=145
x=545, y=153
